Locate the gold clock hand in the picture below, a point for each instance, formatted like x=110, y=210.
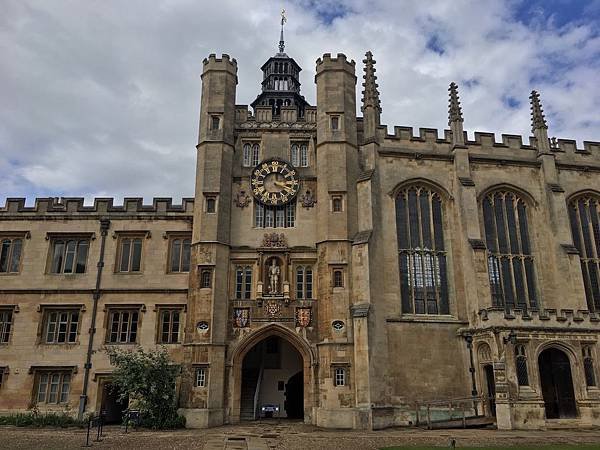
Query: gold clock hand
x=279, y=183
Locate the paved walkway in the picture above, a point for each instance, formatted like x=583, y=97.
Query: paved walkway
x=271, y=435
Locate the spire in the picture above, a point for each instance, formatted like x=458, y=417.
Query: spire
x=281, y=41
x=539, y=127
x=371, y=107
x=370, y=94
x=454, y=109
x=538, y=121
x=455, y=117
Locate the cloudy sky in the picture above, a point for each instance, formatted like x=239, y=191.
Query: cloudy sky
x=101, y=97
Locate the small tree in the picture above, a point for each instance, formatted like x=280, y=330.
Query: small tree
x=147, y=378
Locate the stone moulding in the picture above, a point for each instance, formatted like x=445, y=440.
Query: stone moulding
x=360, y=310
x=544, y=315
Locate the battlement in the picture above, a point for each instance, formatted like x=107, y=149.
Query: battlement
x=75, y=205
x=225, y=62
x=327, y=62
x=482, y=139
x=495, y=316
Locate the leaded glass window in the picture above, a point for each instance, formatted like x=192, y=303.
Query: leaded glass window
x=170, y=321
x=10, y=255
x=243, y=282
x=422, y=255
x=295, y=155
x=274, y=216
x=303, y=155
x=255, y=154
x=584, y=215
x=588, y=366
x=247, y=155
x=510, y=262
x=69, y=256
x=521, y=363
x=304, y=282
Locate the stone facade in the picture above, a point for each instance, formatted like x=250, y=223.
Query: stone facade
x=376, y=338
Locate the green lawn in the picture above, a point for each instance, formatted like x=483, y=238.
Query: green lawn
x=514, y=447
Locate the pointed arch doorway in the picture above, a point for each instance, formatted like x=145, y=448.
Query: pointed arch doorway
x=557, y=384
x=271, y=367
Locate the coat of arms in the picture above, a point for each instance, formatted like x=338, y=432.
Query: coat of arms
x=241, y=317
x=303, y=317
x=241, y=199
x=272, y=308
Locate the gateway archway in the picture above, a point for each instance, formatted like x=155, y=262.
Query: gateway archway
x=272, y=366
x=266, y=388
x=557, y=384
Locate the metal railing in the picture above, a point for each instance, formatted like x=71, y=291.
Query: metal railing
x=458, y=410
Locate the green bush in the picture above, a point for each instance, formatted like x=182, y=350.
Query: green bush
x=147, y=379
x=33, y=419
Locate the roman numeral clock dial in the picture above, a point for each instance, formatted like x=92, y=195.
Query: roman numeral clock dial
x=274, y=182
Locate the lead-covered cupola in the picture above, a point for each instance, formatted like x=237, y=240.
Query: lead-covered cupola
x=281, y=82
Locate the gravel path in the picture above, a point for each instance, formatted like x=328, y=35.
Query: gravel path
x=283, y=436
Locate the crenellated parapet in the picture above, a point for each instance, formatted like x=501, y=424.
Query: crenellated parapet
x=572, y=319
x=327, y=62
x=507, y=145
x=101, y=206
x=225, y=62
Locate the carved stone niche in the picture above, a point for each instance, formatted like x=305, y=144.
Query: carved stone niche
x=273, y=276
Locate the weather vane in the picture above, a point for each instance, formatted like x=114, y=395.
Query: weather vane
x=281, y=42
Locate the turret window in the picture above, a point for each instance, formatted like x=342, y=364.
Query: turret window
x=215, y=122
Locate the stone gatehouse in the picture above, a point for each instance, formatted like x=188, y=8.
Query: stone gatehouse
x=328, y=268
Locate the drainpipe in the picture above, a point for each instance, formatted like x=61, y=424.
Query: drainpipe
x=104, y=225
x=469, y=340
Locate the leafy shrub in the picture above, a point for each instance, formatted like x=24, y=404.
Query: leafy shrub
x=34, y=419
x=147, y=379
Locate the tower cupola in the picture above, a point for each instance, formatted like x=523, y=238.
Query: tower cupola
x=280, y=86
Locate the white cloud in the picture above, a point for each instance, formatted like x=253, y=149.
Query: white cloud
x=102, y=98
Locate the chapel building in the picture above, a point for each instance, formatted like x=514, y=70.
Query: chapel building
x=326, y=270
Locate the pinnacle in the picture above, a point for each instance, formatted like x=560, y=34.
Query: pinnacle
x=538, y=120
x=454, y=108
x=370, y=94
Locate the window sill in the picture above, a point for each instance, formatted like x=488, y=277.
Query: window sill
x=59, y=344
x=9, y=274
x=424, y=318
x=129, y=273
x=121, y=343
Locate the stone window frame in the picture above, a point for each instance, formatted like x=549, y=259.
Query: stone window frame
x=160, y=309
x=260, y=213
x=338, y=269
x=415, y=248
x=335, y=121
x=208, y=206
x=50, y=371
x=335, y=200
x=343, y=366
x=46, y=309
x=215, y=118
x=589, y=364
x=111, y=308
x=205, y=368
x=123, y=235
x=525, y=248
x=522, y=365
x=302, y=150
x=251, y=153
x=202, y=270
x=246, y=286
x=13, y=236
x=53, y=238
x=582, y=233
x=304, y=266
x=12, y=310
x=172, y=236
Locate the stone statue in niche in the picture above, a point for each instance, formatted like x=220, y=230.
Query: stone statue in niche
x=274, y=272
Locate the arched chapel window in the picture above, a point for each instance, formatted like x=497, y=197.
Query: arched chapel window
x=295, y=157
x=422, y=256
x=247, y=155
x=521, y=364
x=584, y=215
x=510, y=262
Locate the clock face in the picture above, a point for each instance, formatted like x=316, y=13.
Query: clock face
x=274, y=182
